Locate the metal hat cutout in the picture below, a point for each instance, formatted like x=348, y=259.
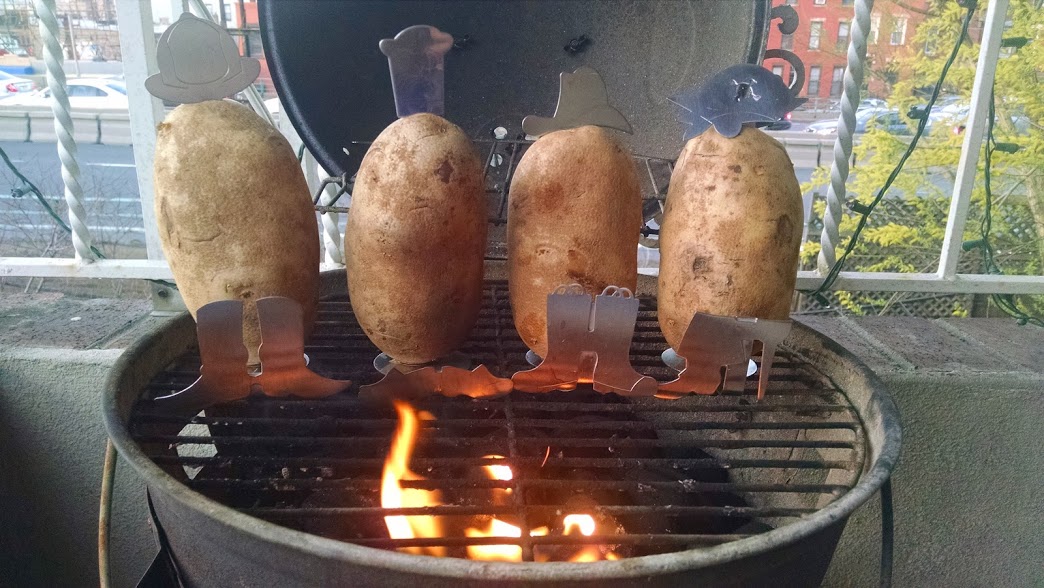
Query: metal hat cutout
x=415, y=58
x=198, y=61
x=223, y=375
x=582, y=100
x=739, y=94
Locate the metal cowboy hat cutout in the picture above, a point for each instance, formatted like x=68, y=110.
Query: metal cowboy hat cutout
x=199, y=61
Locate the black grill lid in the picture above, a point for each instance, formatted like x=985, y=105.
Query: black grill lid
x=335, y=86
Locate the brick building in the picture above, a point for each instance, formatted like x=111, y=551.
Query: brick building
x=822, y=37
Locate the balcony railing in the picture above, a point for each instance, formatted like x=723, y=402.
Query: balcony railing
x=138, y=42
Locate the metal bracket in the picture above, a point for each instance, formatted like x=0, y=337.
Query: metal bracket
x=446, y=380
x=712, y=342
x=582, y=100
x=198, y=61
x=415, y=58
x=588, y=343
x=224, y=376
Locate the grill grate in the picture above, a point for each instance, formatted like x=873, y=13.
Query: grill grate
x=668, y=475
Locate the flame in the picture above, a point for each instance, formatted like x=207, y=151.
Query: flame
x=585, y=523
x=393, y=495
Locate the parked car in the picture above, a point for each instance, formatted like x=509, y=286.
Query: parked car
x=872, y=104
x=889, y=120
x=782, y=124
x=12, y=84
x=101, y=93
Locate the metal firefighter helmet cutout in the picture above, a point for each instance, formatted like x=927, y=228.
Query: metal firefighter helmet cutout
x=582, y=100
x=198, y=61
x=588, y=342
x=415, y=58
x=223, y=375
x=737, y=95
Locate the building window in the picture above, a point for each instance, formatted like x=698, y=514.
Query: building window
x=787, y=42
x=820, y=2
x=813, y=80
x=847, y=2
x=875, y=26
x=778, y=70
x=843, y=29
x=899, y=31
x=815, y=32
x=837, y=81
x=792, y=2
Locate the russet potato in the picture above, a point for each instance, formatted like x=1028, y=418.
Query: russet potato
x=574, y=216
x=416, y=239
x=235, y=217
x=731, y=231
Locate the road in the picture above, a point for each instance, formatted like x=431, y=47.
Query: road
x=109, y=184
x=111, y=189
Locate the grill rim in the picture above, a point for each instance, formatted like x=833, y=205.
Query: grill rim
x=127, y=379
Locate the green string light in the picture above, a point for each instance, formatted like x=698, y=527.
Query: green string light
x=1006, y=302
x=864, y=211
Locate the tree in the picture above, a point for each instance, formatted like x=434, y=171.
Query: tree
x=923, y=189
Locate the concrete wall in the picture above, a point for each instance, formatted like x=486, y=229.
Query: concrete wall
x=969, y=510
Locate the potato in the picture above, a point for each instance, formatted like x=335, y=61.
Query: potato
x=731, y=231
x=416, y=238
x=234, y=213
x=574, y=217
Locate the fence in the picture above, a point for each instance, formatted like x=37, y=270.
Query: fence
x=36, y=124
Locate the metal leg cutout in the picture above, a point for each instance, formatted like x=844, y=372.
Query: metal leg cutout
x=588, y=343
x=223, y=374
x=712, y=342
x=446, y=380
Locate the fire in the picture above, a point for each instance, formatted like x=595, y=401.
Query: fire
x=393, y=495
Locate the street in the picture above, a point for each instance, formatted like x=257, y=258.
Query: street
x=111, y=193
x=110, y=187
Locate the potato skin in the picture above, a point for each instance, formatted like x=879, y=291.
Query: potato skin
x=416, y=238
x=731, y=231
x=574, y=217
x=234, y=213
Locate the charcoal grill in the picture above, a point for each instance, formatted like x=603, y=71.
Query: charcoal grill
x=721, y=489
x=715, y=490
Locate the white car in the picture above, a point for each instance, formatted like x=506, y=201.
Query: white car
x=12, y=84
x=94, y=93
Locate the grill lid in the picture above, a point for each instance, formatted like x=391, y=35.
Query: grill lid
x=505, y=65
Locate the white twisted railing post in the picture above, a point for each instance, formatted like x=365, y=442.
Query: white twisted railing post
x=63, y=128
x=846, y=124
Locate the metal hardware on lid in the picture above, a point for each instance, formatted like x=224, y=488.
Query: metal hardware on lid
x=737, y=95
x=711, y=342
x=415, y=58
x=582, y=100
x=588, y=342
x=223, y=375
x=198, y=61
